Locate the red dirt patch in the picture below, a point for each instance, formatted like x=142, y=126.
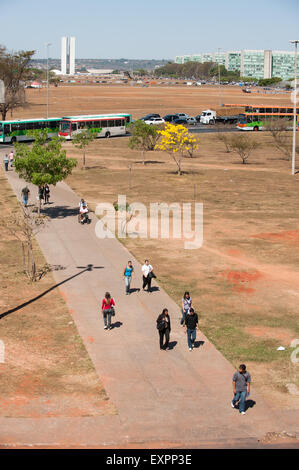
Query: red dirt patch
x=288, y=236
x=240, y=278
x=283, y=335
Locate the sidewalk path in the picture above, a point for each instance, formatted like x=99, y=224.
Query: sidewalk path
x=164, y=398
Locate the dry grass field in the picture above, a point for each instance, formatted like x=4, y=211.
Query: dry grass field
x=62, y=382
x=244, y=280
x=70, y=99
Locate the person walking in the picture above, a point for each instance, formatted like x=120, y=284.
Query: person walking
x=25, y=195
x=164, y=328
x=147, y=277
x=108, y=311
x=46, y=193
x=241, y=387
x=6, y=161
x=191, y=325
x=128, y=274
x=186, y=305
x=11, y=157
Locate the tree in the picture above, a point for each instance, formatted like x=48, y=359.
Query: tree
x=225, y=140
x=281, y=138
x=13, y=71
x=43, y=162
x=176, y=141
x=82, y=140
x=24, y=226
x=143, y=137
x=243, y=145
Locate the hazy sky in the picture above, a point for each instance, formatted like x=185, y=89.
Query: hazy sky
x=148, y=29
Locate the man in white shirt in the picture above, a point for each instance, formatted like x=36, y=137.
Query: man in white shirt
x=146, y=269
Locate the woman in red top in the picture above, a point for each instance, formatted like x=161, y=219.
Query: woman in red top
x=108, y=310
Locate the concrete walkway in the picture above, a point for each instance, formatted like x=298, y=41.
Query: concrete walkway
x=170, y=398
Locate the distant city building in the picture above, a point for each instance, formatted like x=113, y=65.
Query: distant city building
x=68, y=55
x=250, y=63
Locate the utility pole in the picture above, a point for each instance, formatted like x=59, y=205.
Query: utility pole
x=219, y=86
x=47, y=44
x=294, y=110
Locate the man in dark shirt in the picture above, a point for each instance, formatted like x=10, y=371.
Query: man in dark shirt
x=191, y=323
x=241, y=387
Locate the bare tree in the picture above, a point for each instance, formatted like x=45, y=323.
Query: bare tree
x=281, y=137
x=243, y=144
x=13, y=71
x=24, y=226
x=224, y=138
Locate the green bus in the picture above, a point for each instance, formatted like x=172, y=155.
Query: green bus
x=17, y=130
x=256, y=121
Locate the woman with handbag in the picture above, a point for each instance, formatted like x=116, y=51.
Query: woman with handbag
x=108, y=310
x=164, y=328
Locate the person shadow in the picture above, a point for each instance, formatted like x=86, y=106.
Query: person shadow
x=197, y=344
x=154, y=289
x=134, y=289
x=248, y=404
x=117, y=324
x=172, y=344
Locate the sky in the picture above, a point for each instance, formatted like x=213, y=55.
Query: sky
x=148, y=29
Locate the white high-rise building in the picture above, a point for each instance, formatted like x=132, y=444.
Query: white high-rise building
x=68, y=55
x=72, y=55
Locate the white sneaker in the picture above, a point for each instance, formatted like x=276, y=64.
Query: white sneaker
x=243, y=413
x=233, y=406
x=190, y=349
x=105, y=327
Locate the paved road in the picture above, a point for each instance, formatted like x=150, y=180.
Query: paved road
x=164, y=398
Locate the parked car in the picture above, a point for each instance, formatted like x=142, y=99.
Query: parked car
x=180, y=121
x=149, y=116
x=154, y=120
x=170, y=117
x=182, y=115
x=191, y=121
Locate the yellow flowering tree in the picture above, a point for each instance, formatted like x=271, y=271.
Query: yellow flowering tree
x=177, y=142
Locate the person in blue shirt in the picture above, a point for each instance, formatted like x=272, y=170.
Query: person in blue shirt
x=128, y=274
x=6, y=161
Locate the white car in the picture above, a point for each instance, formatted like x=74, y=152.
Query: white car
x=182, y=115
x=155, y=120
x=191, y=121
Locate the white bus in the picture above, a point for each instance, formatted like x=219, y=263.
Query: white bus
x=103, y=125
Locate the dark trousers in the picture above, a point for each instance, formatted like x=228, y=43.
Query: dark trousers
x=161, y=334
x=147, y=282
x=6, y=166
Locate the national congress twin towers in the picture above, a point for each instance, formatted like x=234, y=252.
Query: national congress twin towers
x=68, y=55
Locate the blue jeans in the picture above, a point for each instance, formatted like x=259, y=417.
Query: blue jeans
x=242, y=397
x=184, y=313
x=25, y=200
x=191, y=336
x=128, y=280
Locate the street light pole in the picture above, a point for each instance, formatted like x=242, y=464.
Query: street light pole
x=294, y=110
x=219, y=86
x=47, y=44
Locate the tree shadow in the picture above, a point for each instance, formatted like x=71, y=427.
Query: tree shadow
x=152, y=162
x=89, y=267
x=59, y=212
